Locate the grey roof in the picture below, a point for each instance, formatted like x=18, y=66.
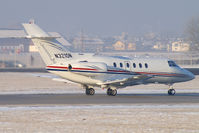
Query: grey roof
x=12, y=33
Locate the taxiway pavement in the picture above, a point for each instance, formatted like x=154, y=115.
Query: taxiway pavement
x=70, y=99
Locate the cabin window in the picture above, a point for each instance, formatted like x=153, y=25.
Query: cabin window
x=114, y=64
x=146, y=65
x=140, y=65
x=172, y=64
x=84, y=61
x=127, y=65
x=134, y=65
x=121, y=65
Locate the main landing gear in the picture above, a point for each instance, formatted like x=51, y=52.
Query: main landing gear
x=90, y=91
x=111, y=92
x=171, y=91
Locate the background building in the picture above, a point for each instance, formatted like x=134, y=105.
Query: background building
x=9, y=43
x=119, y=45
x=180, y=46
x=88, y=44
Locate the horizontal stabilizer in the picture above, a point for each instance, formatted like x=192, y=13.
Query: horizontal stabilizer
x=34, y=31
x=45, y=38
x=31, y=37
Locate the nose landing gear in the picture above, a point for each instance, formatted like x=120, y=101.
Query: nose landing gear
x=171, y=91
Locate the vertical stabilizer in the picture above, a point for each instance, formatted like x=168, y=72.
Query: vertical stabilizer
x=49, y=48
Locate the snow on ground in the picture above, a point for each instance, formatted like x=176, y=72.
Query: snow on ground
x=12, y=83
x=137, y=118
x=29, y=82
x=100, y=119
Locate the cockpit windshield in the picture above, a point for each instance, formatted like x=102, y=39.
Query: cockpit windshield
x=172, y=64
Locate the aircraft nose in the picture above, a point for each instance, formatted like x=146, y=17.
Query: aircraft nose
x=189, y=75
x=192, y=76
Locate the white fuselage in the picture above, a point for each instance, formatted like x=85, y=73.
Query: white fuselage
x=87, y=66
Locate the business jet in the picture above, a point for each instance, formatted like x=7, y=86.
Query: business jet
x=107, y=72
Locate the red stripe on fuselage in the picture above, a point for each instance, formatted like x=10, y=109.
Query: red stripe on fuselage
x=117, y=71
x=60, y=67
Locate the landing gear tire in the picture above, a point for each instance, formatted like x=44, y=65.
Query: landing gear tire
x=114, y=92
x=111, y=92
x=108, y=91
x=90, y=91
x=171, y=92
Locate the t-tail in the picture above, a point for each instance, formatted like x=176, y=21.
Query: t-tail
x=49, y=48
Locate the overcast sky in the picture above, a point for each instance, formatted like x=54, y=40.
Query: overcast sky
x=101, y=17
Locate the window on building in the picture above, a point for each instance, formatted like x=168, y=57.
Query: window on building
x=146, y=65
x=114, y=64
x=121, y=65
x=140, y=65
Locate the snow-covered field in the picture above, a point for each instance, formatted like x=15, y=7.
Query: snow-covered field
x=125, y=118
x=100, y=119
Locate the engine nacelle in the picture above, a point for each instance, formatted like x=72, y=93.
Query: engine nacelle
x=88, y=68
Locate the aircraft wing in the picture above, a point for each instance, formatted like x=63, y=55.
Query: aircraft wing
x=120, y=80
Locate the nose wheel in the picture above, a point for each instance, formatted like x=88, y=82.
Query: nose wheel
x=90, y=91
x=171, y=92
